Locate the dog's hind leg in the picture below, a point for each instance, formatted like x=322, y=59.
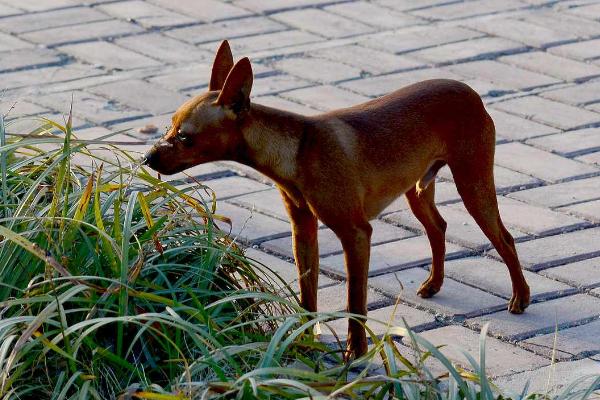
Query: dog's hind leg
x=474, y=178
x=422, y=204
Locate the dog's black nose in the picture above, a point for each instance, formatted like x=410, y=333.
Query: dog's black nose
x=148, y=158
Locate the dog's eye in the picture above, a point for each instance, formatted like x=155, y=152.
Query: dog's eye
x=184, y=139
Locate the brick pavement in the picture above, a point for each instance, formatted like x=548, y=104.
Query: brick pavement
x=535, y=62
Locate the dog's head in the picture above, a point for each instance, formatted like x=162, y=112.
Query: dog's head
x=206, y=127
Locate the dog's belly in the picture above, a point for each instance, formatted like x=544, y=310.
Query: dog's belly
x=391, y=187
x=376, y=201
x=374, y=207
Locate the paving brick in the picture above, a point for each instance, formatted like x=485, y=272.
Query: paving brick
x=132, y=128
x=145, y=14
x=192, y=77
x=380, y=320
x=267, y=202
x=9, y=42
x=540, y=317
x=589, y=210
x=561, y=374
x=501, y=358
x=88, y=31
x=594, y=107
x=281, y=103
x=374, y=15
x=380, y=85
x=487, y=47
x=581, y=94
x=233, y=186
x=462, y=229
x=97, y=132
x=532, y=161
x=7, y=11
x=29, y=58
x=502, y=75
x=322, y=23
x=269, y=41
x=249, y=225
x=406, y=5
x=189, y=77
x=97, y=76
x=158, y=46
x=284, y=269
x=591, y=11
x=333, y=299
x=582, y=274
x=206, y=10
x=593, y=158
x=317, y=69
x=582, y=27
x=516, y=128
x=270, y=6
x=330, y=244
x=536, y=220
x=34, y=123
x=51, y=19
x=463, y=10
x=402, y=42
x=108, y=55
x=485, y=88
x=558, y=67
x=225, y=30
x=559, y=249
x=561, y=194
x=41, y=5
x=523, y=31
x=273, y=84
x=584, y=50
x=570, y=144
x=325, y=97
x=455, y=299
x=41, y=76
x=549, y=112
x=492, y=276
x=369, y=60
x=20, y=108
x=91, y=107
x=142, y=95
x=394, y=256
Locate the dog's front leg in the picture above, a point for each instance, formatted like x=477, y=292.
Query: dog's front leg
x=356, y=241
x=306, y=250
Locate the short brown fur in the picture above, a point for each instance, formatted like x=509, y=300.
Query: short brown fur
x=345, y=166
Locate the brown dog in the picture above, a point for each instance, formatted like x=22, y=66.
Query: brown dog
x=344, y=167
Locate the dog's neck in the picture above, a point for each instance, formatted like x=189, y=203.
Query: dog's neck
x=271, y=141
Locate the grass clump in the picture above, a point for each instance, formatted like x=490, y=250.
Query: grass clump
x=114, y=284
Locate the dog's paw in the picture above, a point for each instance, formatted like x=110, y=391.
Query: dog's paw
x=518, y=304
x=357, y=344
x=429, y=289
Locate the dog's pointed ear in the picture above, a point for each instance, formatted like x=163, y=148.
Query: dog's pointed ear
x=235, y=94
x=221, y=66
